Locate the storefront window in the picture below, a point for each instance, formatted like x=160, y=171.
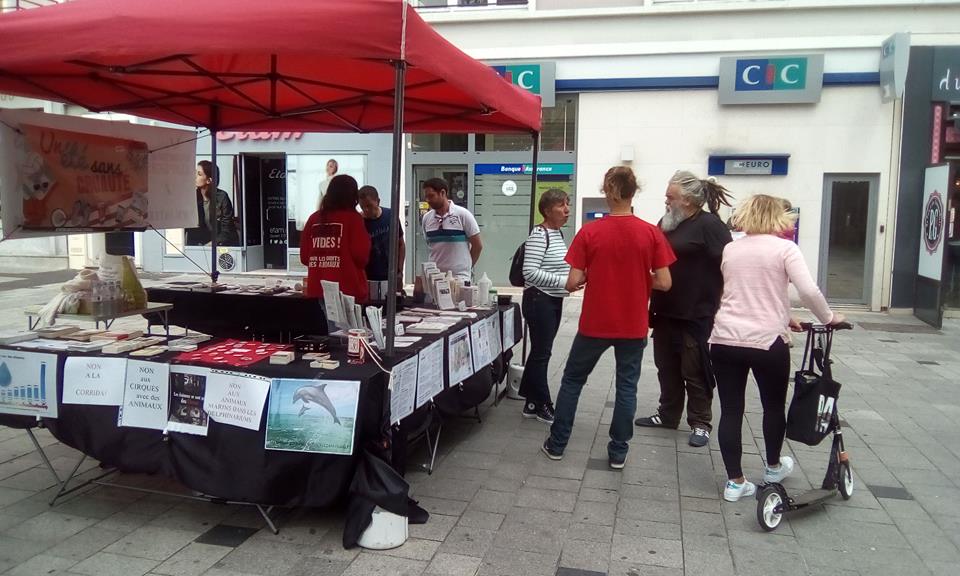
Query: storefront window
x=558, y=132
x=307, y=180
x=438, y=142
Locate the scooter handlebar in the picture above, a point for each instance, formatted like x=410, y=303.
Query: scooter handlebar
x=829, y=327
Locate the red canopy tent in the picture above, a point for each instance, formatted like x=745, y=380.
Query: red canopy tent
x=308, y=65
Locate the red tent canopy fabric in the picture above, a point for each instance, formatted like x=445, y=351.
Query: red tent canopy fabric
x=307, y=65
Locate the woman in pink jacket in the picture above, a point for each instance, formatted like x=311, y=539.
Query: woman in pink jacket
x=751, y=332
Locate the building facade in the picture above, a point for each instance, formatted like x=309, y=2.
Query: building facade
x=647, y=80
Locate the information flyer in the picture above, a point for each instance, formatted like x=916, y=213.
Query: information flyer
x=28, y=383
x=235, y=398
x=403, y=389
x=430, y=372
x=146, y=395
x=188, y=386
x=509, y=338
x=94, y=380
x=459, y=356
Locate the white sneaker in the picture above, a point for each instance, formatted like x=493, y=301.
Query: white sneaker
x=734, y=491
x=779, y=473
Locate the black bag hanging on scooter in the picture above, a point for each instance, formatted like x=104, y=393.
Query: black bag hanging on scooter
x=813, y=408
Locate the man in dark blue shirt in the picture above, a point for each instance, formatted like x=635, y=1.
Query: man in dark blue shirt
x=377, y=220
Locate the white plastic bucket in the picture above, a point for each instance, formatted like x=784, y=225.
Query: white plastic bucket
x=514, y=375
x=386, y=530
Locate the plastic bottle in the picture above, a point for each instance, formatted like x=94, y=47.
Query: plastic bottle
x=116, y=304
x=483, y=286
x=96, y=300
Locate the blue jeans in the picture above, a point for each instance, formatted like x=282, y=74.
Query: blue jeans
x=584, y=355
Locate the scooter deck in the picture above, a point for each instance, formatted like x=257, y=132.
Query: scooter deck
x=811, y=497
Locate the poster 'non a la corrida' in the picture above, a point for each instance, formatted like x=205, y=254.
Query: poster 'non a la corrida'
x=312, y=415
x=71, y=180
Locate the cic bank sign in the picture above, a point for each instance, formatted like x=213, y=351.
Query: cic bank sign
x=539, y=78
x=792, y=79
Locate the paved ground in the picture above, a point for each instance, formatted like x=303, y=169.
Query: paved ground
x=500, y=508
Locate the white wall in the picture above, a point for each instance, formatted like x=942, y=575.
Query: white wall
x=849, y=131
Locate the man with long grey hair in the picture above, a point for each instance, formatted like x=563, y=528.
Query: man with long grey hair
x=683, y=317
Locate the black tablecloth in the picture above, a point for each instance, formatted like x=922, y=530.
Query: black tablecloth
x=256, y=316
x=231, y=462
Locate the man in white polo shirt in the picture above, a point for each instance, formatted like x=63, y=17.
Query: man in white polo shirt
x=451, y=231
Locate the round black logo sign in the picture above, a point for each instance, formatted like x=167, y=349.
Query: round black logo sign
x=933, y=222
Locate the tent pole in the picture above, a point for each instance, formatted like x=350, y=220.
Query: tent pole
x=212, y=216
x=533, y=179
x=396, y=205
x=533, y=212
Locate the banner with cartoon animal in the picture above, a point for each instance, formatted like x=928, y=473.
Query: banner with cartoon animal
x=76, y=180
x=67, y=174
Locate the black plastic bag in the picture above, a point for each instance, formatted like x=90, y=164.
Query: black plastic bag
x=376, y=483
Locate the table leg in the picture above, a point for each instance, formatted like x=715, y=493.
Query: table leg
x=43, y=456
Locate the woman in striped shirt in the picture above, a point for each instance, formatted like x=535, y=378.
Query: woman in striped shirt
x=545, y=274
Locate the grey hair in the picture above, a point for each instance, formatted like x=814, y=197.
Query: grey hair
x=701, y=191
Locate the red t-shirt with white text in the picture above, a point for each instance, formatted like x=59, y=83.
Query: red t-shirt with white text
x=618, y=254
x=336, y=247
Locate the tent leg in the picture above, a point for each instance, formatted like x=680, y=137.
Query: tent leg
x=396, y=205
x=212, y=216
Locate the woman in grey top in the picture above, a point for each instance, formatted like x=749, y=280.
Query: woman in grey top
x=545, y=274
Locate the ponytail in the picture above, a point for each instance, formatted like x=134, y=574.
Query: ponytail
x=715, y=195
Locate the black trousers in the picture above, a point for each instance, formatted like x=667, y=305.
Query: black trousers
x=680, y=370
x=771, y=370
x=542, y=313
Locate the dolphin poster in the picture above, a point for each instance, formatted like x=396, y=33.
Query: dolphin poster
x=312, y=415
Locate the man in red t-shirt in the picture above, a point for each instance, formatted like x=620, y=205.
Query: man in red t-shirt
x=619, y=259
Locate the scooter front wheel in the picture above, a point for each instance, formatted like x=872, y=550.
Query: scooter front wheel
x=769, y=500
x=846, y=480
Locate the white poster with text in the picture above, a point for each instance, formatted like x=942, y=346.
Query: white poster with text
x=94, y=380
x=430, y=372
x=235, y=398
x=146, y=395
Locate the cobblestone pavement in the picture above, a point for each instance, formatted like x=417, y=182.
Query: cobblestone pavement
x=499, y=507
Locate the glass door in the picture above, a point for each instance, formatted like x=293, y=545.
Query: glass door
x=848, y=235
x=456, y=177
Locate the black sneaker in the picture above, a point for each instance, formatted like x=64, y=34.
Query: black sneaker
x=550, y=452
x=545, y=413
x=653, y=422
x=617, y=463
x=699, y=437
x=529, y=410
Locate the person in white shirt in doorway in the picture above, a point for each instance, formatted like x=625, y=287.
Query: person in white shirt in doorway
x=451, y=231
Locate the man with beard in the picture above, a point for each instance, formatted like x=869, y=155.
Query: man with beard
x=451, y=231
x=683, y=317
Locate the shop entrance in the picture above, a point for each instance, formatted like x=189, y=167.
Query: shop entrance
x=848, y=237
x=265, y=193
x=456, y=177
